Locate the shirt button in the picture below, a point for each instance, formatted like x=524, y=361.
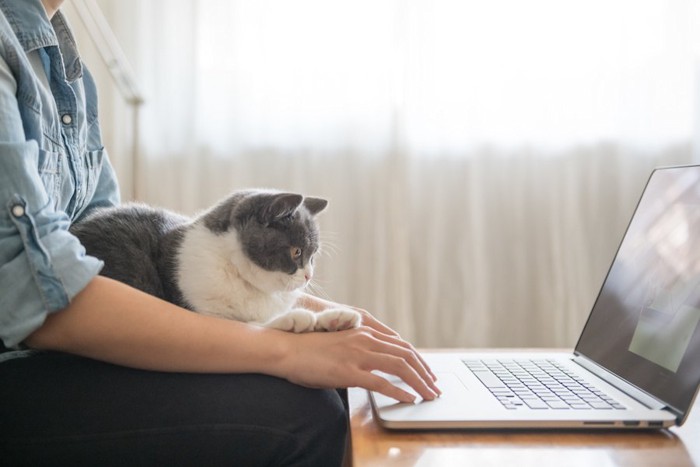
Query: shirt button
x=18, y=210
x=67, y=119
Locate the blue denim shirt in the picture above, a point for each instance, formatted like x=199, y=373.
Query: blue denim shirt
x=53, y=167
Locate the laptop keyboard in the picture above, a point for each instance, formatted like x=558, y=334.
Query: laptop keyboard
x=539, y=384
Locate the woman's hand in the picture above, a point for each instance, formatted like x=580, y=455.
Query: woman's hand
x=349, y=358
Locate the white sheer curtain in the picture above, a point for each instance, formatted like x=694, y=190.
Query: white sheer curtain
x=482, y=159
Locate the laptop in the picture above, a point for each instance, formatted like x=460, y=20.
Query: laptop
x=637, y=361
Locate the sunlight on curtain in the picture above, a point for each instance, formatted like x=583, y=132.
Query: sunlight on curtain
x=482, y=159
x=446, y=75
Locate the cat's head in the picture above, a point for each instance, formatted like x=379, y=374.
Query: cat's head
x=277, y=233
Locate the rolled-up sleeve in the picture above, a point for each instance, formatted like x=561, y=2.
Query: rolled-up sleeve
x=42, y=266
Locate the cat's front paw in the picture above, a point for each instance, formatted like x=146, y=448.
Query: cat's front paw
x=337, y=319
x=296, y=320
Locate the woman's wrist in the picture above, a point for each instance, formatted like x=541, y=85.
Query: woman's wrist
x=264, y=350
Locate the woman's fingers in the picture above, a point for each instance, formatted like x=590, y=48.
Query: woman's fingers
x=413, y=357
x=373, y=323
x=398, y=367
x=354, y=358
x=393, y=357
x=382, y=386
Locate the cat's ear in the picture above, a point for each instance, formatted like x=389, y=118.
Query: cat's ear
x=281, y=205
x=315, y=205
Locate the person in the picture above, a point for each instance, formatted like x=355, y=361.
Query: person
x=93, y=372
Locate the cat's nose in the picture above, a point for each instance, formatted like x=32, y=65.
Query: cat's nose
x=307, y=276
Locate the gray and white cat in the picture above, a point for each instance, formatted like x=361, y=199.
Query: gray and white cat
x=247, y=258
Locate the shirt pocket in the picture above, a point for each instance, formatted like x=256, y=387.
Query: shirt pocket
x=49, y=169
x=93, y=164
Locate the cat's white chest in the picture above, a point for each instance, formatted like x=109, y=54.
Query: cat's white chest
x=216, y=278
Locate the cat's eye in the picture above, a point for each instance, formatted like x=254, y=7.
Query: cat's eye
x=296, y=252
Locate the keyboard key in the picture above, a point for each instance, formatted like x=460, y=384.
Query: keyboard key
x=489, y=379
x=536, y=404
x=558, y=404
x=580, y=406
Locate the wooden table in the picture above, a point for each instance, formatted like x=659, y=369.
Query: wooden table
x=374, y=446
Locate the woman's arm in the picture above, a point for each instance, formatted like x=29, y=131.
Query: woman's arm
x=113, y=322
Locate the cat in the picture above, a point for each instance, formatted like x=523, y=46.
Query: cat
x=246, y=258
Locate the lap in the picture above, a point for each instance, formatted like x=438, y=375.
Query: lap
x=60, y=406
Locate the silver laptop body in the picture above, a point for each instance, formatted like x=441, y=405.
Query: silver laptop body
x=637, y=362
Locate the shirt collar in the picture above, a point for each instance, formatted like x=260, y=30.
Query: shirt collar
x=69, y=49
x=33, y=29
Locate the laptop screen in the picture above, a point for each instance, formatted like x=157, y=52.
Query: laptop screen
x=644, y=324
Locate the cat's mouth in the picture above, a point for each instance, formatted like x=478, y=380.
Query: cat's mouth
x=298, y=282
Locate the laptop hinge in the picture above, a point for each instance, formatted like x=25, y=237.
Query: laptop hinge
x=632, y=391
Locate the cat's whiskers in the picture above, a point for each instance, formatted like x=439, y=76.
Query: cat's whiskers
x=315, y=287
x=328, y=247
x=317, y=290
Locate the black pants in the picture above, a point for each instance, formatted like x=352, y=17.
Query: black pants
x=58, y=409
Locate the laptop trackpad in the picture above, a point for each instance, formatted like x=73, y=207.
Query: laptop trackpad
x=451, y=386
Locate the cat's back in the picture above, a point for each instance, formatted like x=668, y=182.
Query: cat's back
x=133, y=223
x=130, y=239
